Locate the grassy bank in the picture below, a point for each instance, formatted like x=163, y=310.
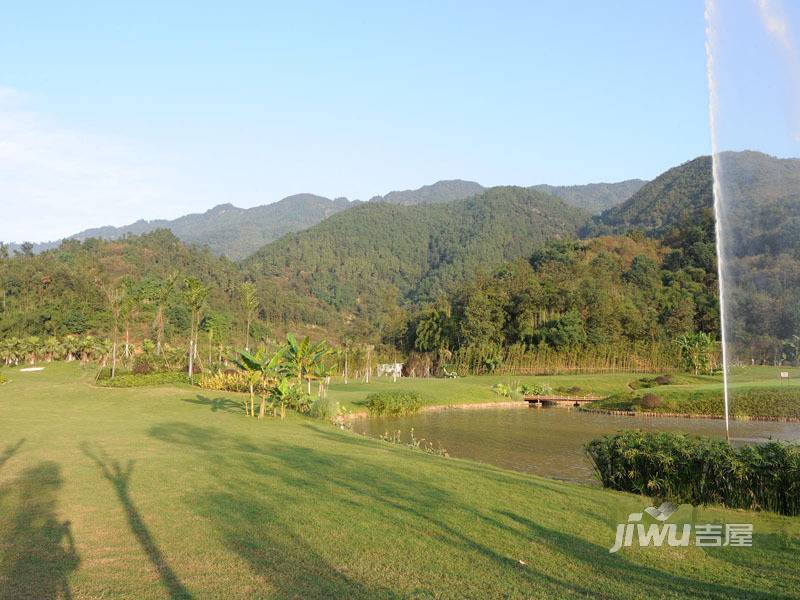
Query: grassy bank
x=755, y=392
x=171, y=492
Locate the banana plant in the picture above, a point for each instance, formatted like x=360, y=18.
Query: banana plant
x=280, y=393
x=301, y=358
x=260, y=368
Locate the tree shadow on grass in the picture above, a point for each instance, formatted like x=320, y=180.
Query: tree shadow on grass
x=263, y=515
x=10, y=451
x=253, y=519
x=218, y=404
x=119, y=477
x=37, y=550
x=617, y=567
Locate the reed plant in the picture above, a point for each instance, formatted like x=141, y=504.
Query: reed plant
x=699, y=470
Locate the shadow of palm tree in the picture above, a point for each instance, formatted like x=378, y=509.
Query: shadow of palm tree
x=119, y=477
x=10, y=451
x=619, y=568
x=218, y=404
x=38, y=550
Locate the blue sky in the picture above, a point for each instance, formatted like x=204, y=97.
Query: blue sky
x=113, y=111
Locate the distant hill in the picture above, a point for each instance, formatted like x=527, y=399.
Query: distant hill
x=228, y=230
x=441, y=191
x=238, y=232
x=366, y=259
x=593, y=197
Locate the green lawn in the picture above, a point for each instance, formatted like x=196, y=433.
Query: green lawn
x=473, y=389
x=169, y=492
x=703, y=394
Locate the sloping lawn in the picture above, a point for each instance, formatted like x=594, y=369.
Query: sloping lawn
x=170, y=492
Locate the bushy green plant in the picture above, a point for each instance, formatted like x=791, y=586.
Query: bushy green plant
x=325, y=408
x=502, y=389
x=394, y=403
x=123, y=380
x=699, y=471
x=536, y=389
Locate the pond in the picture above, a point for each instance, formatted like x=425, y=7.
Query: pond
x=549, y=441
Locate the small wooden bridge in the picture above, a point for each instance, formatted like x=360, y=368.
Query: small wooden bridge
x=557, y=400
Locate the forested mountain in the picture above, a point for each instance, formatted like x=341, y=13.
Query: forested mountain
x=499, y=269
x=228, y=230
x=441, y=191
x=593, y=197
x=374, y=256
x=238, y=232
x=678, y=195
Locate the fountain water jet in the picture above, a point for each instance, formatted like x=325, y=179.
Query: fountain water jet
x=716, y=172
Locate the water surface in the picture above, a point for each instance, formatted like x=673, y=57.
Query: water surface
x=549, y=441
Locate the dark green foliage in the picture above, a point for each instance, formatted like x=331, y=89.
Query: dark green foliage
x=681, y=194
x=368, y=259
x=608, y=293
x=699, y=471
x=394, y=403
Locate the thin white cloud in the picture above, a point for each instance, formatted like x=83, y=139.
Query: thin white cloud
x=55, y=181
x=776, y=24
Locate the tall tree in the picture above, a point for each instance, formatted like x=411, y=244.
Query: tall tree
x=195, y=294
x=250, y=305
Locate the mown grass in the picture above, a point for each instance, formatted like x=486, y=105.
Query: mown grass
x=170, y=492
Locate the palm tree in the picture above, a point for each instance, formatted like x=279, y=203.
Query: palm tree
x=195, y=294
x=52, y=348
x=250, y=305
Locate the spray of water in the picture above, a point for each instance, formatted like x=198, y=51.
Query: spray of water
x=716, y=168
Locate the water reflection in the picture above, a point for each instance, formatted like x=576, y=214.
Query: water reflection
x=549, y=442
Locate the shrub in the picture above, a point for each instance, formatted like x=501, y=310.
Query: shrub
x=133, y=380
x=394, y=403
x=142, y=366
x=651, y=401
x=325, y=408
x=697, y=470
x=228, y=381
x=501, y=389
x=299, y=401
x=536, y=389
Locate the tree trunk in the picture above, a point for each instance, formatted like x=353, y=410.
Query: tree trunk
x=263, y=408
x=159, y=329
x=191, y=352
x=247, y=407
x=114, y=357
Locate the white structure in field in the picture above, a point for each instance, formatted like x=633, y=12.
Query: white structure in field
x=393, y=369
